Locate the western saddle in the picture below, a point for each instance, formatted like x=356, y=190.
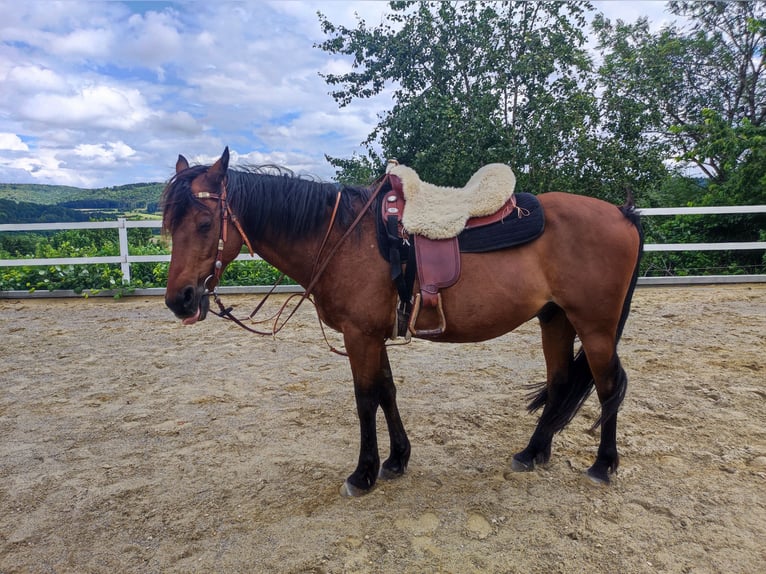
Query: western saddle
x=426, y=220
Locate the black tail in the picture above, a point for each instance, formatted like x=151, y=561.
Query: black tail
x=629, y=211
x=568, y=399
x=580, y=383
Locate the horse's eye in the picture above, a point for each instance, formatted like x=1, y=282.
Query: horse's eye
x=204, y=226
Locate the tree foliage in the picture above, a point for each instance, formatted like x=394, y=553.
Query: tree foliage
x=475, y=83
x=695, y=95
x=698, y=95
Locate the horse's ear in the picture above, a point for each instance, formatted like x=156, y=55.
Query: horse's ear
x=217, y=171
x=181, y=164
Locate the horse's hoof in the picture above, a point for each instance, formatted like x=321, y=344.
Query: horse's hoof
x=348, y=490
x=521, y=466
x=598, y=478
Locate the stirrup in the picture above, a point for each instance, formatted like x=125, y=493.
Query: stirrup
x=414, y=318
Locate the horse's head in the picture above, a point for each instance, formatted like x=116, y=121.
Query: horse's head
x=197, y=218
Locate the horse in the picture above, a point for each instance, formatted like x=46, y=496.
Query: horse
x=577, y=279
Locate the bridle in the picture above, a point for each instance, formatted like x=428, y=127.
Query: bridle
x=226, y=215
x=211, y=281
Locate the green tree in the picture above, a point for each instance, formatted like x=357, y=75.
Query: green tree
x=475, y=83
x=697, y=95
x=357, y=170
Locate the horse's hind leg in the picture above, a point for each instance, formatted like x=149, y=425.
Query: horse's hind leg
x=567, y=386
x=611, y=384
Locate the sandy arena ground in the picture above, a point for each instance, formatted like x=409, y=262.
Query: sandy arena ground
x=129, y=443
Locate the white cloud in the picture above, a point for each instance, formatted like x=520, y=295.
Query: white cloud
x=33, y=79
x=225, y=73
x=42, y=165
x=12, y=142
x=179, y=122
x=153, y=39
x=206, y=39
x=336, y=66
x=105, y=153
x=91, y=106
x=86, y=43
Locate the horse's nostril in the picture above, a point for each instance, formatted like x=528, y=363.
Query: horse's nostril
x=188, y=296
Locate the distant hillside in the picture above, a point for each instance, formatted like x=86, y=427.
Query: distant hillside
x=130, y=196
x=33, y=193
x=25, y=212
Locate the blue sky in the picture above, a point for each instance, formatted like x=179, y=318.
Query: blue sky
x=98, y=94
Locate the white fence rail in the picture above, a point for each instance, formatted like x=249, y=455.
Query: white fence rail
x=125, y=259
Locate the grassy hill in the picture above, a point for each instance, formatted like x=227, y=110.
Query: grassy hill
x=131, y=194
x=26, y=212
x=33, y=193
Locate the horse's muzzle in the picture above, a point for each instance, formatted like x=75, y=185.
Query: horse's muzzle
x=190, y=304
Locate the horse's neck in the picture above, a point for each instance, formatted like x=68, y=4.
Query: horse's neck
x=296, y=255
x=293, y=258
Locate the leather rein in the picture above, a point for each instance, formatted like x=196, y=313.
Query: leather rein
x=211, y=281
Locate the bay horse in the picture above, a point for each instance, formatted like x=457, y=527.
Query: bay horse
x=577, y=279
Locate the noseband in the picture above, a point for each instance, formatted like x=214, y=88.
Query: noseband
x=212, y=280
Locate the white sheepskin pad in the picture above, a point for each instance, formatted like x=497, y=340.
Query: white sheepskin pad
x=441, y=212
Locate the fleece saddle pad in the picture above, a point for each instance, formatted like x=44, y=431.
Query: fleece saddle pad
x=442, y=212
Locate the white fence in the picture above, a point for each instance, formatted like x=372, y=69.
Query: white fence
x=125, y=259
x=723, y=246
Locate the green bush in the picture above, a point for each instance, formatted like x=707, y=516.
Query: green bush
x=74, y=277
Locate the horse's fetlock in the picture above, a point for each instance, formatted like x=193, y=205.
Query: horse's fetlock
x=362, y=481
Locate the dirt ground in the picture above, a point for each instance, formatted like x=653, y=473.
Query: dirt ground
x=129, y=443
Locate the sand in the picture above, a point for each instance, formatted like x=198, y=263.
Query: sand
x=129, y=443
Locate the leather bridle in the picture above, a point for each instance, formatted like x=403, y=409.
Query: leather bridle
x=211, y=281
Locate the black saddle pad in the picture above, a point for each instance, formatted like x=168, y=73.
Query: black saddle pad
x=511, y=231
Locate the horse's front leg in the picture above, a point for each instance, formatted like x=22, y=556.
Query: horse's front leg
x=399, y=456
x=374, y=387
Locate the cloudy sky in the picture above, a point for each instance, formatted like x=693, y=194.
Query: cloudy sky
x=99, y=93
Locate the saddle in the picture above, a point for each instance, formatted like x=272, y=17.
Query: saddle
x=442, y=212
x=427, y=227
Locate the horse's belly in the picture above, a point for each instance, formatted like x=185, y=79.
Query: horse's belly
x=496, y=293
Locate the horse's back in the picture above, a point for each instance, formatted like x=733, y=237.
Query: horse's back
x=584, y=227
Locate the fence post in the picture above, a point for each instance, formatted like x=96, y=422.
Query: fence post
x=122, y=232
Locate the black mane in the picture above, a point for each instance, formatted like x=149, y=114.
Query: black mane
x=268, y=197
